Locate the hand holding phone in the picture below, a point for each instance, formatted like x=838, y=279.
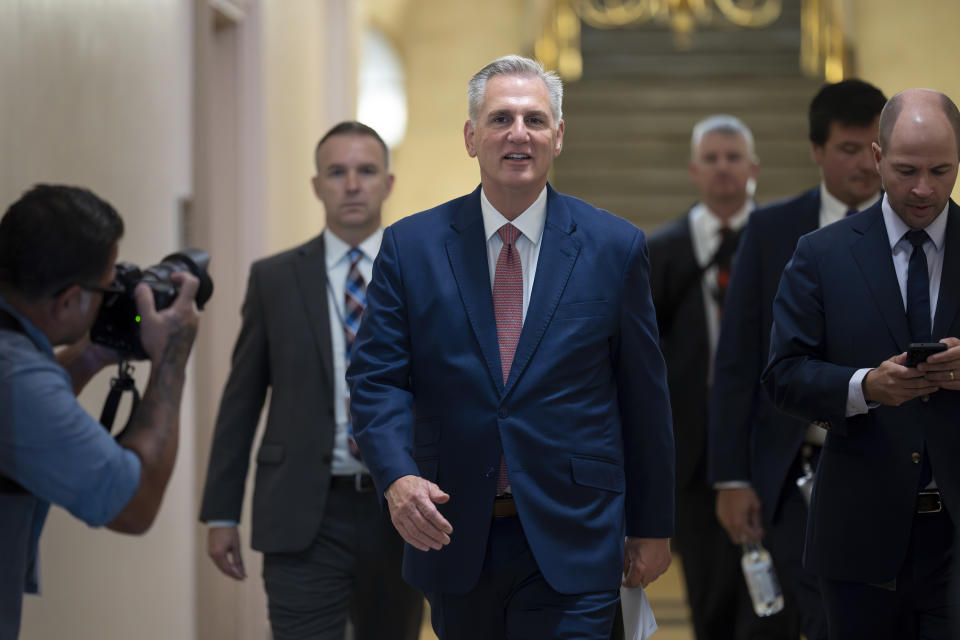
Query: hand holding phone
x=918, y=352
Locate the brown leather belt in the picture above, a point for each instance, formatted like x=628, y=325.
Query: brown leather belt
x=359, y=482
x=504, y=507
x=929, y=502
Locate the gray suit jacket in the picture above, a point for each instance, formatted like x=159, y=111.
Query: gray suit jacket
x=284, y=345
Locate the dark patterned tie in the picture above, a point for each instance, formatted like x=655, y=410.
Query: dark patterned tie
x=918, y=313
x=508, y=310
x=724, y=262
x=918, y=288
x=354, y=302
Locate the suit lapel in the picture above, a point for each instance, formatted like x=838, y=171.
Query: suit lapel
x=467, y=252
x=948, y=298
x=558, y=253
x=311, y=271
x=871, y=250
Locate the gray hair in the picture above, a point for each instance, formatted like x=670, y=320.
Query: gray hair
x=515, y=66
x=721, y=123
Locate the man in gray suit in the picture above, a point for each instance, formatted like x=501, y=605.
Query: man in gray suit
x=329, y=553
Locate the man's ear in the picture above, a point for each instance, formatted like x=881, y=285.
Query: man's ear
x=67, y=301
x=816, y=153
x=468, y=141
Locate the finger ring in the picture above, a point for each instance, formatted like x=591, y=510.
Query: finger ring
x=951, y=375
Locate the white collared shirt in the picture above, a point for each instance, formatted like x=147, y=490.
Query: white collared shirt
x=338, y=266
x=832, y=210
x=705, y=234
x=530, y=223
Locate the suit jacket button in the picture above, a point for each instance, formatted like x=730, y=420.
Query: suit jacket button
x=490, y=472
x=915, y=457
x=502, y=413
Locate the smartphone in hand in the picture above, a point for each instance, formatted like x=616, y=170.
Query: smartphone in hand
x=918, y=352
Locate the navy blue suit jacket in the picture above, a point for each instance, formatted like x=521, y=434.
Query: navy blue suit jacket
x=584, y=419
x=676, y=286
x=839, y=309
x=749, y=439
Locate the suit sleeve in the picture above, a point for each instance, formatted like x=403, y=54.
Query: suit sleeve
x=644, y=405
x=381, y=397
x=798, y=377
x=738, y=363
x=239, y=413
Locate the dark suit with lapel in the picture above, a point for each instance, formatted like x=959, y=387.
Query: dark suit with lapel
x=749, y=439
x=839, y=309
x=284, y=345
x=583, y=420
x=719, y=602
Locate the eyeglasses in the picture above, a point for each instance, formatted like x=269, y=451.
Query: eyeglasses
x=108, y=290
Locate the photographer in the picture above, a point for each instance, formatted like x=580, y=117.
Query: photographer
x=58, y=247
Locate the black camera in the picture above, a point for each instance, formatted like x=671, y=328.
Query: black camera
x=118, y=323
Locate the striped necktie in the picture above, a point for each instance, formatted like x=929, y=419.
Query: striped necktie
x=354, y=302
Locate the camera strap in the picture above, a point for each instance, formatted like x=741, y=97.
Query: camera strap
x=123, y=383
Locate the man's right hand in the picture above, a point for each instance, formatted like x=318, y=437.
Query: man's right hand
x=411, y=500
x=223, y=546
x=892, y=383
x=738, y=511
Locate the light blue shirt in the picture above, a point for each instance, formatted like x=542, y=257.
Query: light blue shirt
x=55, y=450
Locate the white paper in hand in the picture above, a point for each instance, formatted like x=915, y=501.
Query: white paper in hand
x=638, y=620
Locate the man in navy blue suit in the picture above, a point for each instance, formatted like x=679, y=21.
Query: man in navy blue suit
x=852, y=299
x=757, y=453
x=508, y=392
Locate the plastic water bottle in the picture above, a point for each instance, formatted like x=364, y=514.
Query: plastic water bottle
x=761, y=579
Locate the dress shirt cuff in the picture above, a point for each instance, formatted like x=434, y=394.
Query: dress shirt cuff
x=856, y=403
x=221, y=523
x=731, y=484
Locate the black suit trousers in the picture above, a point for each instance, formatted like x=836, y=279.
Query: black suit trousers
x=352, y=570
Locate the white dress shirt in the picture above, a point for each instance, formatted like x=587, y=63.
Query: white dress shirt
x=832, y=210
x=530, y=223
x=338, y=266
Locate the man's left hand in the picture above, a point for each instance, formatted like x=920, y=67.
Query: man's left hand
x=83, y=359
x=645, y=560
x=943, y=368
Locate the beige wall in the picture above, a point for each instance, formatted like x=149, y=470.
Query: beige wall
x=900, y=45
x=97, y=93
x=442, y=44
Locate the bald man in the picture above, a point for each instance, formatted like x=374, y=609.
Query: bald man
x=853, y=298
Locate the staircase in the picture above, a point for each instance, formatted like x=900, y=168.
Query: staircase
x=629, y=119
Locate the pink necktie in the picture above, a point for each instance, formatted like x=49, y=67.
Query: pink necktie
x=508, y=309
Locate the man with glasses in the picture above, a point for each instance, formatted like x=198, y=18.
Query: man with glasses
x=58, y=247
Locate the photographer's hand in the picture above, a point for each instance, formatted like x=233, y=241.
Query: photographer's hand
x=177, y=324
x=84, y=359
x=167, y=337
